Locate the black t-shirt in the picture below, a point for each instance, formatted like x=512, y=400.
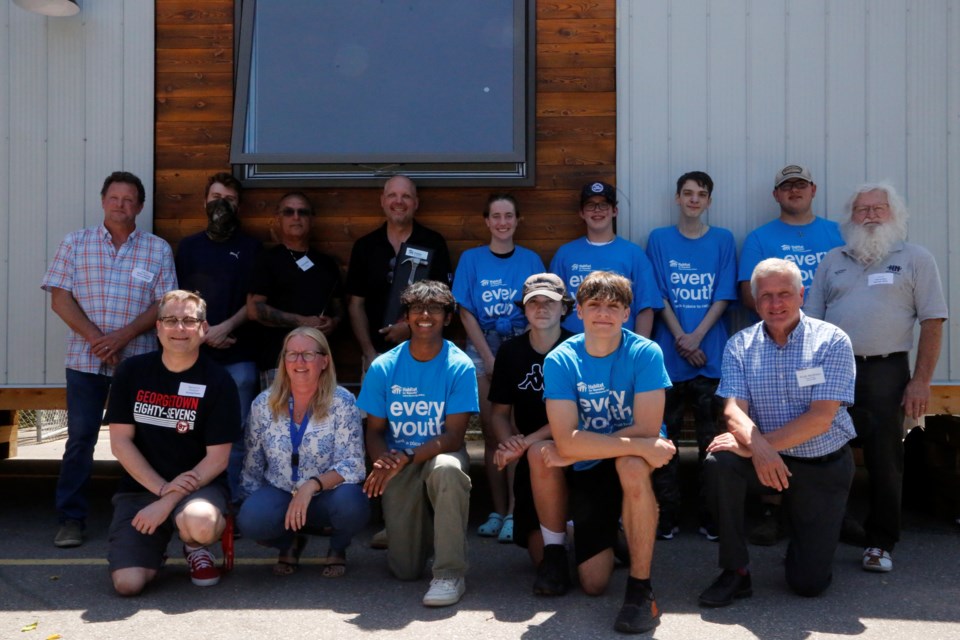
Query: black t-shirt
x=518, y=381
x=289, y=288
x=176, y=416
x=221, y=272
x=370, y=275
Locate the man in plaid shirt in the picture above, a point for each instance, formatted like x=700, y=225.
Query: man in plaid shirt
x=104, y=283
x=787, y=382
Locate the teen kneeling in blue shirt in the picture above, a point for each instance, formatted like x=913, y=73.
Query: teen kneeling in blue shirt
x=605, y=392
x=418, y=397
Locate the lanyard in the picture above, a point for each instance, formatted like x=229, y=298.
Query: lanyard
x=296, y=437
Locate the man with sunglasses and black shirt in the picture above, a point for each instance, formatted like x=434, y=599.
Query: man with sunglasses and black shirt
x=293, y=285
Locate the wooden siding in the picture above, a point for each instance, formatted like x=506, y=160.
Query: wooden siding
x=575, y=129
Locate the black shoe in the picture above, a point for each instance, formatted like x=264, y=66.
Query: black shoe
x=769, y=532
x=726, y=588
x=638, y=618
x=553, y=574
x=709, y=532
x=69, y=535
x=666, y=531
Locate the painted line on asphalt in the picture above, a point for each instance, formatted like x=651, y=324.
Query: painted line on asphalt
x=79, y=562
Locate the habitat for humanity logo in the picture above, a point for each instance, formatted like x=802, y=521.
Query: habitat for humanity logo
x=582, y=387
x=796, y=248
x=683, y=266
x=397, y=390
x=581, y=267
x=491, y=283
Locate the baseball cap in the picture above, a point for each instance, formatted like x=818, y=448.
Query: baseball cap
x=792, y=172
x=543, y=284
x=598, y=189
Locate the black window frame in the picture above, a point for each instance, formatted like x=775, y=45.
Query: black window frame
x=293, y=170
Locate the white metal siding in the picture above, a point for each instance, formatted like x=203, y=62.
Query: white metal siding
x=76, y=102
x=858, y=90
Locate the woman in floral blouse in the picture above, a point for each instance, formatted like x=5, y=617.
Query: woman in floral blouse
x=304, y=466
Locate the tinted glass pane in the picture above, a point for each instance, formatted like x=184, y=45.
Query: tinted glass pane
x=384, y=78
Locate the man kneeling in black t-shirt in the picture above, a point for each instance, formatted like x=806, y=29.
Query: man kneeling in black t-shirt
x=173, y=415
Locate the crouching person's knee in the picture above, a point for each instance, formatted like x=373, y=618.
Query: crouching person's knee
x=131, y=582
x=634, y=472
x=807, y=585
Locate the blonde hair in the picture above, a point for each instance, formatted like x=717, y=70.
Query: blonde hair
x=181, y=295
x=279, y=399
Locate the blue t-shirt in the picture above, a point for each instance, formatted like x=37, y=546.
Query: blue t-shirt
x=487, y=285
x=806, y=245
x=575, y=260
x=691, y=276
x=415, y=397
x=603, y=388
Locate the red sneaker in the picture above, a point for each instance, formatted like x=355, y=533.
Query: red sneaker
x=203, y=570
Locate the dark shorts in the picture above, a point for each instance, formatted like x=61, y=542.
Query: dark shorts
x=127, y=547
x=596, y=499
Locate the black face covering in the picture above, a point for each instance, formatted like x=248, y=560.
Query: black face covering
x=222, y=220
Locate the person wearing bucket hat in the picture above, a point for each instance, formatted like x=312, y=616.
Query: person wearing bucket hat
x=485, y=285
x=601, y=249
x=519, y=420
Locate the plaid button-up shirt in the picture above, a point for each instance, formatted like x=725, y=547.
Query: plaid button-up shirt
x=758, y=370
x=112, y=287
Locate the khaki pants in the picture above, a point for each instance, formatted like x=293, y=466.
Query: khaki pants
x=443, y=485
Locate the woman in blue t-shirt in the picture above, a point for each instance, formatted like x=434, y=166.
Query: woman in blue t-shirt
x=487, y=282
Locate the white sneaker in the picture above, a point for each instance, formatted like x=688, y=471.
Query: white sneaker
x=444, y=591
x=876, y=559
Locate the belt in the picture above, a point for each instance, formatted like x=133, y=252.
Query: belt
x=830, y=457
x=895, y=354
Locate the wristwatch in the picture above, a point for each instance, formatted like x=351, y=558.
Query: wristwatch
x=409, y=453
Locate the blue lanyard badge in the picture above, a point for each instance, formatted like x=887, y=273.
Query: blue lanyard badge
x=296, y=437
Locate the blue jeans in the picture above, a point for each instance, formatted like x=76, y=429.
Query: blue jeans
x=345, y=509
x=86, y=396
x=245, y=376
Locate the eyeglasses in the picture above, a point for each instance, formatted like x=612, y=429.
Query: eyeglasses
x=289, y=212
x=596, y=206
x=433, y=309
x=171, y=322
x=799, y=185
x=307, y=356
x=876, y=208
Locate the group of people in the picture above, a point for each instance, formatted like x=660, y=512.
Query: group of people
x=581, y=377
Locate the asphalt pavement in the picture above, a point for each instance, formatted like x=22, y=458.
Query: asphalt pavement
x=47, y=592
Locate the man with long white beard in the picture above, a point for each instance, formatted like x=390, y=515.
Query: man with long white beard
x=876, y=288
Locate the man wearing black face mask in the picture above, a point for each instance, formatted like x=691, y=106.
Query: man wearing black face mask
x=218, y=264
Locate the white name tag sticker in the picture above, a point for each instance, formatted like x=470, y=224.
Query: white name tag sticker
x=879, y=278
x=810, y=377
x=142, y=275
x=304, y=263
x=192, y=390
x=416, y=254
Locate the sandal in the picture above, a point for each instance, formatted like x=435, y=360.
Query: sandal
x=336, y=562
x=491, y=528
x=506, y=532
x=289, y=560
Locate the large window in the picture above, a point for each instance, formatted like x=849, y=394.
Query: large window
x=348, y=91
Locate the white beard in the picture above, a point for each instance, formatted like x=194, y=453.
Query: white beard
x=872, y=243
